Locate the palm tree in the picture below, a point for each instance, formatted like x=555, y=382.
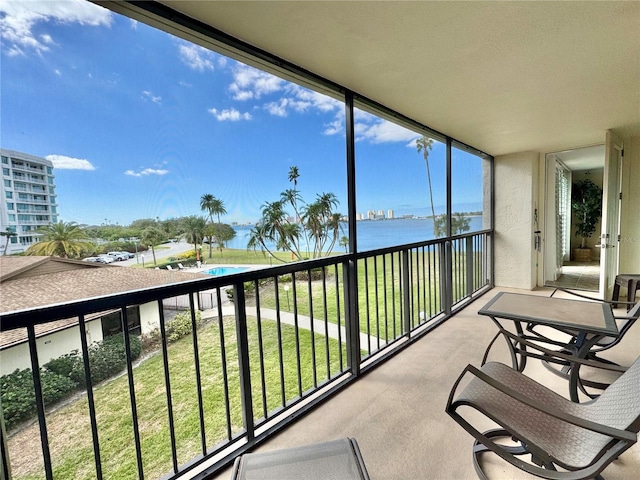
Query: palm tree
x=194, y=230
x=293, y=176
x=8, y=233
x=206, y=204
x=424, y=145
x=62, y=239
x=217, y=208
x=344, y=242
x=213, y=206
x=152, y=236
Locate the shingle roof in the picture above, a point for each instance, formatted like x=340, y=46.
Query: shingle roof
x=22, y=287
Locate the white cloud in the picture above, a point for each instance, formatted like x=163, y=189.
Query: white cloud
x=382, y=131
x=57, y=72
x=146, y=171
x=196, y=57
x=147, y=95
x=279, y=108
x=62, y=162
x=19, y=17
x=232, y=115
x=300, y=100
x=252, y=83
x=333, y=128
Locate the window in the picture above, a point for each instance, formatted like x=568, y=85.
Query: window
x=112, y=322
x=50, y=170
x=5, y=160
x=470, y=207
x=5, y=171
x=9, y=205
x=396, y=183
x=8, y=194
x=7, y=183
x=12, y=217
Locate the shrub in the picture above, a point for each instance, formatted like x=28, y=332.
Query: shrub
x=65, y=364
x=181, y=325
x=61, y=376
x=249, y=288
x=106, y=358
x=18, y=394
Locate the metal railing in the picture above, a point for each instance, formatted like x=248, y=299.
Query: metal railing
x=249, y=353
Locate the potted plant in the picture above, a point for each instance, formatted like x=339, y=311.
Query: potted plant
x=586, y=203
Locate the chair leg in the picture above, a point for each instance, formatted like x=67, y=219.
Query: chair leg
x=479, y=448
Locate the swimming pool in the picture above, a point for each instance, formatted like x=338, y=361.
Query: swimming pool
x=219, y=271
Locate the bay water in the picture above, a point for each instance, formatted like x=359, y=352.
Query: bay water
x=373, y=234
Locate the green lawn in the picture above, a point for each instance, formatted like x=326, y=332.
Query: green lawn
x=69, y=428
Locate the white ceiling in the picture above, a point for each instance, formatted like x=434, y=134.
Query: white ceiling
x=503, y=77
x=586, y=158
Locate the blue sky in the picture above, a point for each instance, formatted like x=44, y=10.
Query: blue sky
x=140, y=124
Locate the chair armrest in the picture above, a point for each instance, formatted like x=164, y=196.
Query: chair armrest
x=587, y=297
x=555, y=355
x=544, y=408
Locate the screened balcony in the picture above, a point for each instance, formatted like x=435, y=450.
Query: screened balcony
x=256, y=351
x=257, y=379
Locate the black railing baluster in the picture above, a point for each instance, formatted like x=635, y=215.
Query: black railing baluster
x=469, y=257
x=326, y=323
x=37, y=386
x=384, y=291
x=294, y=289
x=244, y=367
x=338, y=314
x=419, y=292
x=223, y=359
x=167, y=386
x=407, y=292
x=283, y=397
x=196, y=363
x=263, y=380
x=393, y=295
x=90, y=399
x=366, y=296
x=314, y=366
x=377, y=298
x=132, y=391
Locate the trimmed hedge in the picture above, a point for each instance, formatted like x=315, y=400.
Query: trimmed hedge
x=61, y=376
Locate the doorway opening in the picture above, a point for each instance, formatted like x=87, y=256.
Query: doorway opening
x=566, y=264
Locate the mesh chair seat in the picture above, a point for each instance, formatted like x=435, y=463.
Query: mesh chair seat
x=576, y=436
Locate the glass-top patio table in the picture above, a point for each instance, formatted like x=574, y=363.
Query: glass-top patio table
x=588, y=321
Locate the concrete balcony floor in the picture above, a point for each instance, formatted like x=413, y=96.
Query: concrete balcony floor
x=396, y=412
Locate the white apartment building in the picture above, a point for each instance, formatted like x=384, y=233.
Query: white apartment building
x=28, y=199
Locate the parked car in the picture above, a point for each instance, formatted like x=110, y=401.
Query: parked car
x=92, y=259
x=128, y=254
x=118, y=256
x=104, y=258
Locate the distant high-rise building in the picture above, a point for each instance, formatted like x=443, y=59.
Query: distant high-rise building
x=390, y=214
x=28, y=199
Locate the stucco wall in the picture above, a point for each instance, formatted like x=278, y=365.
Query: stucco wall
x=49, y=347
x=629, y=209
x=516, y=192
x=149, y=317
x=65, y=341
